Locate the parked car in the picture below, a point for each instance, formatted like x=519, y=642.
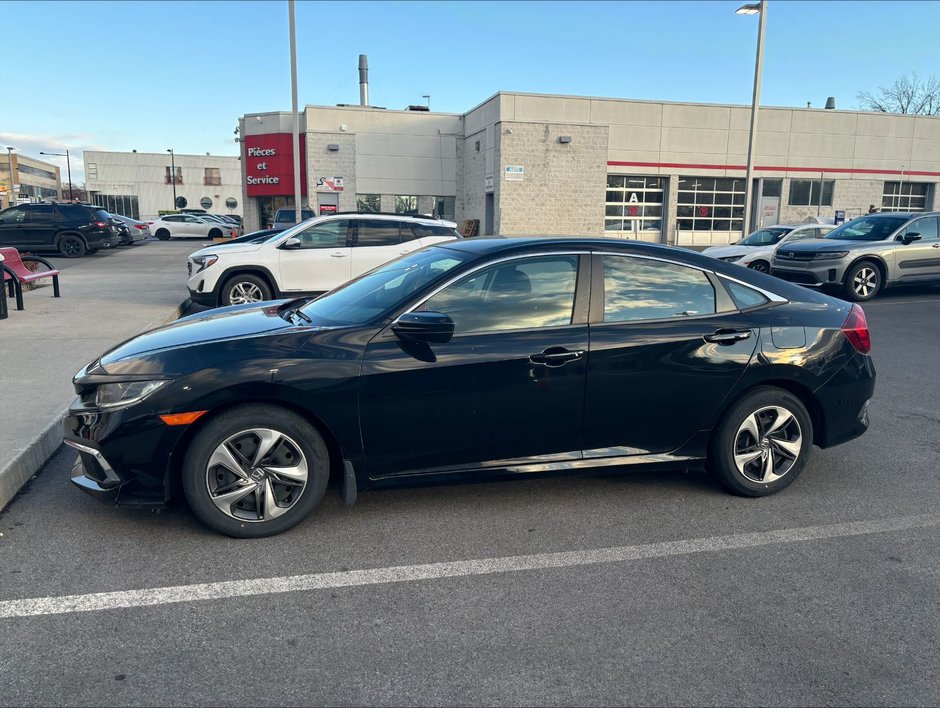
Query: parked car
x=866, y=254
x=472, y=358
x=139, y=230
x=757, y=249
x=284, y=218
x=71, y=229
x=188, y=226
x=124, y=232
x=316, y=256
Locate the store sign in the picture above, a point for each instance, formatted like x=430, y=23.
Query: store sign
x=515, y=173
x=330, y=184
x=327, y=209
x=488, y=183
x=269, y=164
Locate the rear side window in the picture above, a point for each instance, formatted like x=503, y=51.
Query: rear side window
x=72, y=212
x=174, y=219
x=743, y=296
x=42, y=214
x=413, y=231
x=639, y=289
x=376, y=232
x=100, y=215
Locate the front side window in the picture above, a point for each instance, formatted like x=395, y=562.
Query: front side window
x=369, y=202
x=808, y=192
x=331, y=234
x=927, y=228
x=17, y=215
x=641, y=289
x=904, y=196
x=378, y=232
x=406, y=204
x=867, y=228
x=520, y=294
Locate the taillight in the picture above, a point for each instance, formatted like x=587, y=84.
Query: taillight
x=855, y=329
x=140, y=226
x=101, y=224
x=233, y=234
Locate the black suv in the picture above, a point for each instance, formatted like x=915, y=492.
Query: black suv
x=71, y=229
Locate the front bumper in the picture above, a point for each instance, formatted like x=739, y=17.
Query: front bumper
x=810, y=273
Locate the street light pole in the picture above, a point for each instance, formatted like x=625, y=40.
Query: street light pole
x=298, y=207
x=173, y=175
x=68, y=165
x=12, y=178
x=759, y=8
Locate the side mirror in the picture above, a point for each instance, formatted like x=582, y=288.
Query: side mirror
x=431, y=327
x=291, y=244
x=910, y=237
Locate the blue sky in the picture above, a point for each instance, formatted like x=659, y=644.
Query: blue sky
x=149, y=76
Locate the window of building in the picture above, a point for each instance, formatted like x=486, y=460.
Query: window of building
x=212, y=177
x=445, y=208
x=772, y=188
x=904, y=196
x=369, y=202
x=520, y=294
x=170, y=178
x=123, y=204
x=34, y=171
x=91, y=169
x=640, y=289
x=633, y=204
x=378, y=232
x=710, y=204
x=406, y=204
x=806, y=192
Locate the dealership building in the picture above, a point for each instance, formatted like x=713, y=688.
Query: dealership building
x=522, y=163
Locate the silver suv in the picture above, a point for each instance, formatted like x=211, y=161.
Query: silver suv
x=866, y=254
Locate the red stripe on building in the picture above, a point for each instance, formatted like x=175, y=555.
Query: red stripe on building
x=776, y=168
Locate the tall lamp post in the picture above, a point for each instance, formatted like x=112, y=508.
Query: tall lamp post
x=173, y=175
x=12, y=178
x=757, y=8
x=295, y=125
x=68, y=164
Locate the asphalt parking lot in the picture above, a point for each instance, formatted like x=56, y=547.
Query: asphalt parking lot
x=605, y=589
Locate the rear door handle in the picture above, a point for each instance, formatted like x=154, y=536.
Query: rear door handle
x=556, y=356
x=727, y=336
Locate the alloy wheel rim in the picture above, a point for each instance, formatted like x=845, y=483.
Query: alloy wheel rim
x=256, y=475
x=760, y=267
x=70, y=246
x=767, y=444
x=865, y=281
x=244, y=292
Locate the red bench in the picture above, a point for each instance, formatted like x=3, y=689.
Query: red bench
x=15, y=273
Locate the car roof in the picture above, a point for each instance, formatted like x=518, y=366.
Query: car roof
x=497, y=244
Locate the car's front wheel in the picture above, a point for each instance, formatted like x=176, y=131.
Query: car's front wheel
x=763, y=443
x=862, y=281
x=760, y=266
x=254, y=471
x=241, y=289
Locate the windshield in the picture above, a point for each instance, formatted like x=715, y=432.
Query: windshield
x=867, y=228
x=764, y=237
x=371, y=295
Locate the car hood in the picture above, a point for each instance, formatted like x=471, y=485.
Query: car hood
x=226, y=248
x=820, y=244
x=168, y=350
x=728, y=251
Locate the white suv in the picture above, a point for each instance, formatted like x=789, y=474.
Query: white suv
x=309, y=258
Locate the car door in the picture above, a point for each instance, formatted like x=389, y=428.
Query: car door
x=321, y=262
x=40, y=225
x=921, y=258
x=13, y=227
x=508, y=386
x=662, y=357
x=378, y=241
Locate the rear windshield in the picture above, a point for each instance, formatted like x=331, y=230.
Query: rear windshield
x=100, y=214
x=288, y=215
x=867, y=228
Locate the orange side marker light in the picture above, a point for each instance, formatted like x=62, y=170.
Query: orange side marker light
x=182, y=418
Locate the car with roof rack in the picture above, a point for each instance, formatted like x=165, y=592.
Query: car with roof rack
x=309, y=258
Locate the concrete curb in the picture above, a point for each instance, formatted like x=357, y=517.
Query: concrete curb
x=31, y=459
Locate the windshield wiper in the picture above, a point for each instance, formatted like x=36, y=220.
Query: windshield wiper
x=293, y=308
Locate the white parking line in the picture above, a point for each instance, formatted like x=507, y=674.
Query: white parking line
x=898, y=302
x=430, y=571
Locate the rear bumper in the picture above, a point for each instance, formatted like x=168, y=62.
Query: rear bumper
x=845, y=401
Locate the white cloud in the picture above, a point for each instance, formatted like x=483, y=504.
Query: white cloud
x=75, y=143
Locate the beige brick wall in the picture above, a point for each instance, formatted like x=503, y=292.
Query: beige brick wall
x=471, y=200
x=559, y=192
x=321, y=162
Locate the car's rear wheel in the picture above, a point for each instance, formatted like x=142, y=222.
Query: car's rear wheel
x=72, y=246
x=763, y=443
x=255, y=471
x=91, y=251
x=862, y=281
x=163, y=234
x=241, y=289
x=760, y=266
x=215, y=233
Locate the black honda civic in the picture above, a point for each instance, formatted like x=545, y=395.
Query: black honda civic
x=470, y=360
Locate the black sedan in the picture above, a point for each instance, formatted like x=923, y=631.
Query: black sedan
x=469, y=360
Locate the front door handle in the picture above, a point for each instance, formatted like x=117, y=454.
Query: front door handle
x=556, y=356
x=727, y=336
x=338, y=255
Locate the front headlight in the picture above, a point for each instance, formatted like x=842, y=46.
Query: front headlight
x=204, y=262
x=829, y=255
x=118, y=395
x=730, y=259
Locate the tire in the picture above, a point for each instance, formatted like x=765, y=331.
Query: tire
x=760, y=266
x=241, y=289
x=753, y=455
x=72, y=246
x=91, y=251
x=162, y=234
x=215, y=233
x=232, y=440
x=862, y=282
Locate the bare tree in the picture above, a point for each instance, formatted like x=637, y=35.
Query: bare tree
x=908, y=94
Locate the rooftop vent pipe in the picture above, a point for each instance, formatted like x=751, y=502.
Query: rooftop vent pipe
x=831, y=103
x=363, y=80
